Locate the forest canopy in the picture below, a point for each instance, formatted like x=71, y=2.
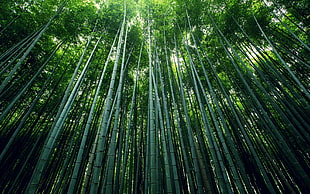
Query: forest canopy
x=154, y=96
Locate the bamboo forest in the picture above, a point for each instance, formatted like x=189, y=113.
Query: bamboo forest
x=155, y=96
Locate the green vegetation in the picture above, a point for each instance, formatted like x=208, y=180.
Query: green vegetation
x=162, y=96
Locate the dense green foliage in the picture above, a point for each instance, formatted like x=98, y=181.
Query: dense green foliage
x=154, y=96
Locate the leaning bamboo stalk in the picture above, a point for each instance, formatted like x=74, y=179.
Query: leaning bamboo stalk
x=32, y=186
x=151, y=126
x=178, y=117
x=8, y=108
x=170, y=143
x=189, y=129
x=275, y=133
x=9, y=24
x=282, y=61
x=88, y=124
x=161, y=132
x=31, y=46
x=231, y=144
x=12, y=54
x=104, y=126
x=214, y=147
x=130, y=130
x=109, y=179
x=31, y=106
